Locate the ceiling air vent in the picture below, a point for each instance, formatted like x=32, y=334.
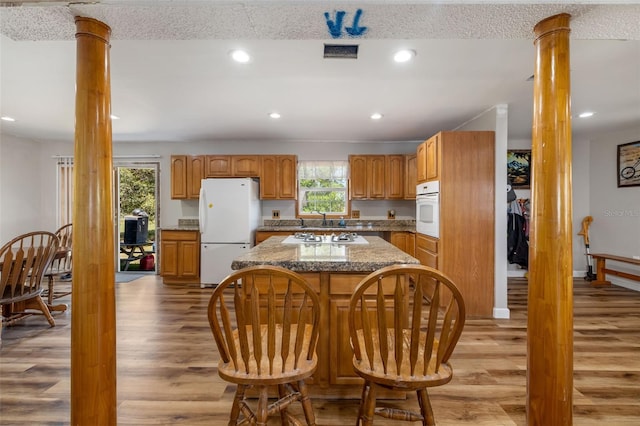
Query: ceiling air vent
x=341, y=51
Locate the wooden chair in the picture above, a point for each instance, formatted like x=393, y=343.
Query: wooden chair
x=404, y=323
x=270, y=341
x=23, y=262
x=61, y=265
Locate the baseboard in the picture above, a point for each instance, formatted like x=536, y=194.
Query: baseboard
x=501, y=313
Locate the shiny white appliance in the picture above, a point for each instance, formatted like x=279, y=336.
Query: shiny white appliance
x=229, y=213
x=428, y=209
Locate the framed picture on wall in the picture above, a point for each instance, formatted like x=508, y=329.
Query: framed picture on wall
x=519, y=168
x=629, y=164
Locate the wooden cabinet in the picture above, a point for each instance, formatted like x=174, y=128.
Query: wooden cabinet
x=367, y=177
x=278, y=177
x=218, y=166
x=232, y=166
x=195, y=174
x=421, y=163
x=464, y=163
x=410, y=176
x=405, y=241
x=178, y=176
x=394, y=177
x=245, y=165
x=433, y=158
x=427, y=250
x=186, y=174
x=180, y=256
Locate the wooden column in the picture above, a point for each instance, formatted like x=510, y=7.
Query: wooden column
x=550, y=307
x=93, y=325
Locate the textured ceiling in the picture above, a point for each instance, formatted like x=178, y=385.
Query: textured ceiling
x=172, y=80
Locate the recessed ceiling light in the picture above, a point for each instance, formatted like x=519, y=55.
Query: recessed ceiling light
x=274, y=115
x=586, y=114
x=376, y=116
x=240, y=56
x=5, y=118
x=404, y=55
x=115, y=117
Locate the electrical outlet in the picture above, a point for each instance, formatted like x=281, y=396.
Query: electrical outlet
x=355, y=214
x=391, y=214
x=275, y=214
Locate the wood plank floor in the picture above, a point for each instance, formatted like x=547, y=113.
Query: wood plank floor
x=167, y=364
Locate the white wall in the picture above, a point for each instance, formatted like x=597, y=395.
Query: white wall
x=616, y=211
x=21, y=207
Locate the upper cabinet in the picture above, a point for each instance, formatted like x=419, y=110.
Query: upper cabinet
x=367, y=177
x=410, y=176
x=277, y=173
x=278, y=177
x=218, y=166
x=245, y=165
x=428, y=158
x=395, y=177
x=433, y=157
x=186, y=174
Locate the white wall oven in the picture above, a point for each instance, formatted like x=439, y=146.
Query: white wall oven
x=428, y=209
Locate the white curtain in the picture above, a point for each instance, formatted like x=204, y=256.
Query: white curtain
x=323, y=170
x=65, y=190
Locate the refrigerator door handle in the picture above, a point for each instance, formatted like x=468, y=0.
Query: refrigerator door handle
x=202, y=211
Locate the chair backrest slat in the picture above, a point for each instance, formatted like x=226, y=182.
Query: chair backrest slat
x=416, y=322
x=271, y=329
x=242, y=323
x=256, y=330
x=398, y=315
x=381, y=314
x=366, y=329
x=286, y=324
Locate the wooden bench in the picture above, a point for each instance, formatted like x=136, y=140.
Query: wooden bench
x=602, y=270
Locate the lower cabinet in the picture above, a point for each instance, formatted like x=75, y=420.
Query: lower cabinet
x=180, y=256
x=427, y=250
x=405, y=241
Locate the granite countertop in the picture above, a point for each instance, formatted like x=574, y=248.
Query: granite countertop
x=180, y=228
x=325, y=257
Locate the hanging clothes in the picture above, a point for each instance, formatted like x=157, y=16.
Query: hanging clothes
x=517, y=235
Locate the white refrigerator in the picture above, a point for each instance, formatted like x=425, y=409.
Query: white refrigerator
x=229, y=213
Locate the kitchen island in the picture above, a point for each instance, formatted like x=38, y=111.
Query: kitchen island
x=333, y=270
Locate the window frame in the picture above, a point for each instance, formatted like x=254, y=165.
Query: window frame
x=304, y=215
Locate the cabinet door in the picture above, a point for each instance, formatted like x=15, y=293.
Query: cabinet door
x=341, y=356
x=169, y=261
x=433, y=159
x=288, y=177
x=278, y=177
x=218, y=165
x=268, y=177
x=421, y=157
x=245, y=165
x=189, y=260
x=358, y=176
x=178, y=177
x=398, y=239
x=395, y=176
x=376, y=176
x=411, y=176
x=195, y=173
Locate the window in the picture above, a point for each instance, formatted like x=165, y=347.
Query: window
x=322, y=188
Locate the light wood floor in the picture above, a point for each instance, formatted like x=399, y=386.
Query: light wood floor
x=167, y=364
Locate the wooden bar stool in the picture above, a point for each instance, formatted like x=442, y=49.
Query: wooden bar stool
x=266, y=330
x=404, y=322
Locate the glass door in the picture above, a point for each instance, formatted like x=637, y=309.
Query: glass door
x=136, y=204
